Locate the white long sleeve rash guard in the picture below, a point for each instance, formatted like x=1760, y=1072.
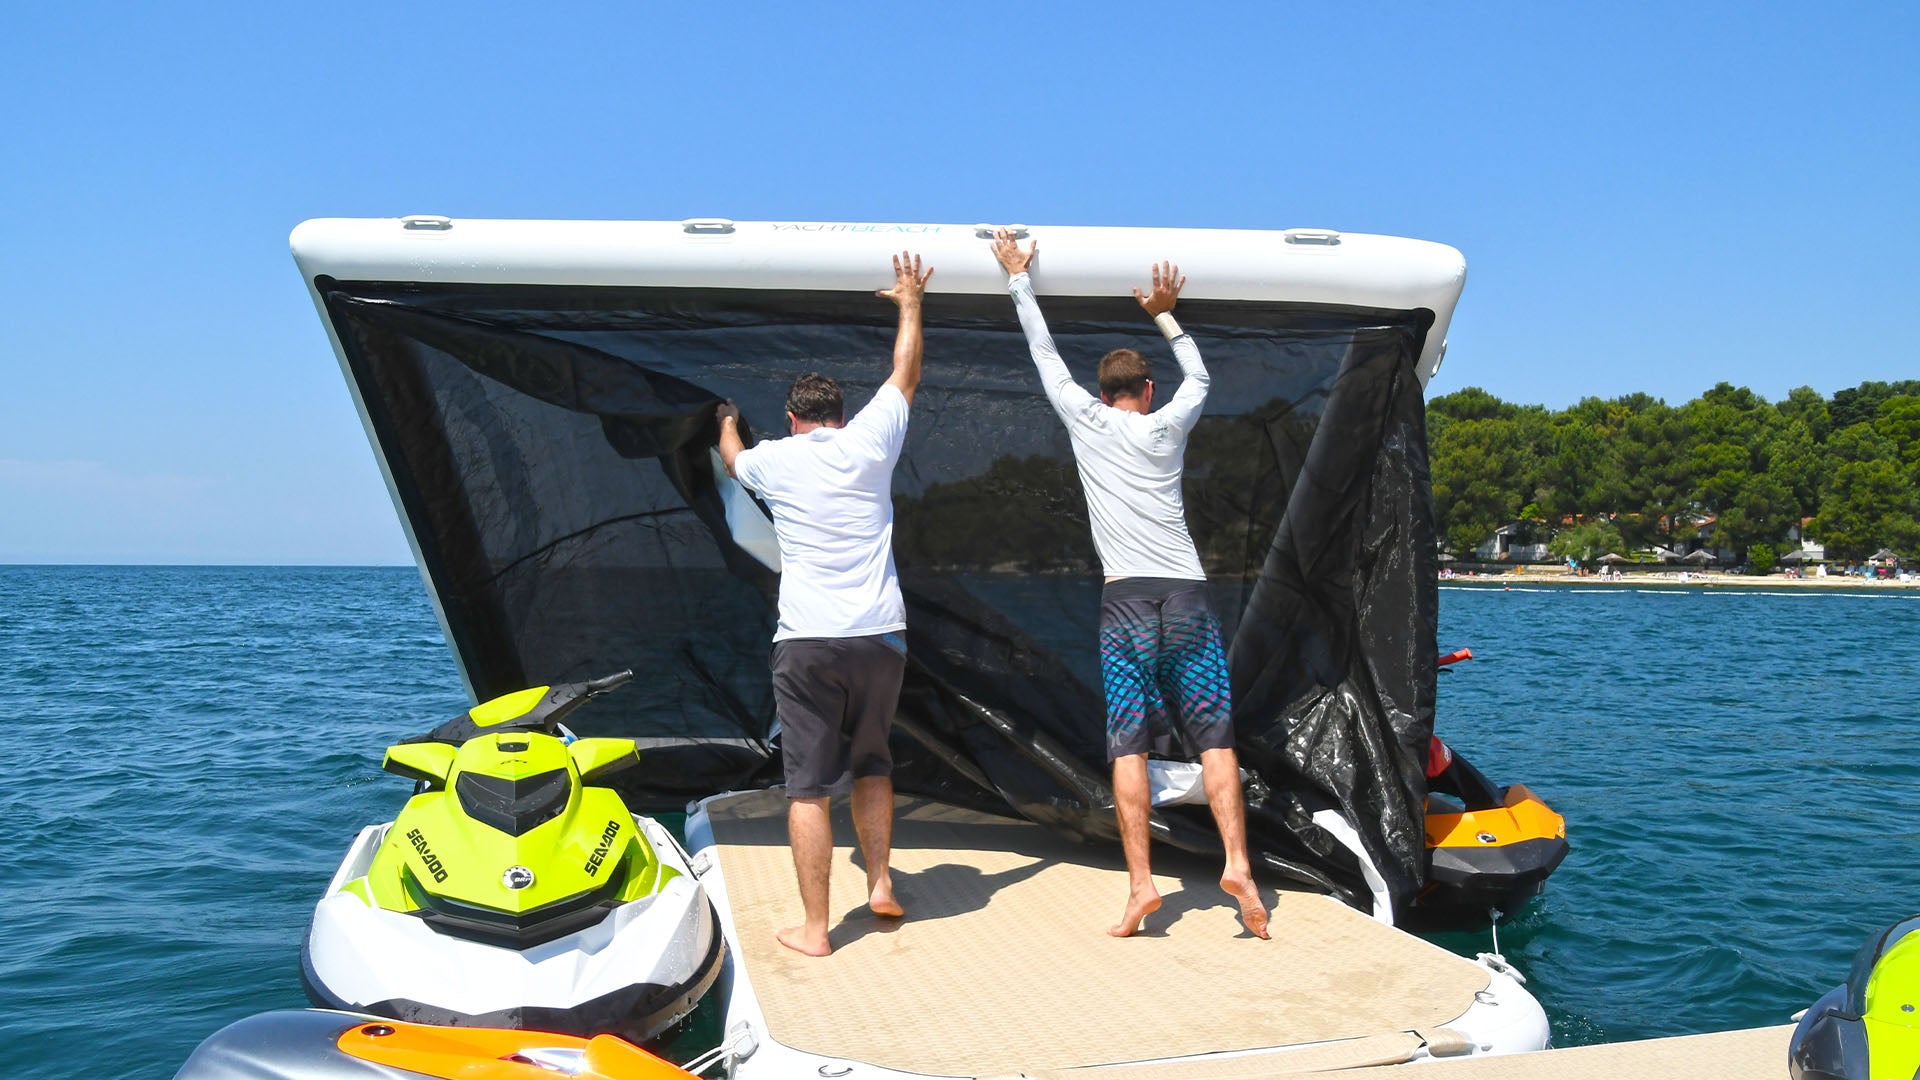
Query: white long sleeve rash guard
x=1130, y=464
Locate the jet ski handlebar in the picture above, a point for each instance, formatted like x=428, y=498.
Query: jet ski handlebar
x=542, y=715
x=618, y=679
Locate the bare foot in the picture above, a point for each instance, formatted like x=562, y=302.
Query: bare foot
x=797, y=939
x=880, y=901
x=1252, y=912
x=1139, y=906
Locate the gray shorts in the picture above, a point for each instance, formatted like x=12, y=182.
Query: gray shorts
x=835, y=698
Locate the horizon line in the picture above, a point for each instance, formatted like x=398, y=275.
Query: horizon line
x=4, y=562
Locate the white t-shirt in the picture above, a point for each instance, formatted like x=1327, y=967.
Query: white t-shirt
x=831, y=493
x=1130, y=464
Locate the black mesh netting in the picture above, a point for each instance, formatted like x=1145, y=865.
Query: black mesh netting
x=552, y=449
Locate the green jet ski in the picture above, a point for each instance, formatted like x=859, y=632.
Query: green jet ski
x=515, y=890
x=1867, y=1029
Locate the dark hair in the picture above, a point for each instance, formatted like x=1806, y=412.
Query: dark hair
x=1124, y=373
x=815, y=398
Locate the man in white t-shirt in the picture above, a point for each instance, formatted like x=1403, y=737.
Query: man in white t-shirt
x=840, y=649
x=1159, y=637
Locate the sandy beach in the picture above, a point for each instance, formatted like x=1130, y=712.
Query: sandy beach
x=1673, y=579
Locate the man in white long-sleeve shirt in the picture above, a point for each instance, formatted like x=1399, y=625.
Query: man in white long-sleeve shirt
x=1159, y=637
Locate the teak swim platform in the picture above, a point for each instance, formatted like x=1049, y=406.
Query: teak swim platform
x=1003, y=966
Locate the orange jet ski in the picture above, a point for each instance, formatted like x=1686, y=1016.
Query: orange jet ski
x=314, y=1044
x=1489, y=849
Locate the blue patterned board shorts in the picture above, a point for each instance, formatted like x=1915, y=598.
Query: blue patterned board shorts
x=1160, y=643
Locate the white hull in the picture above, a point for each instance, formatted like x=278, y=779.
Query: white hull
x=643, y=966
x=1307, y=266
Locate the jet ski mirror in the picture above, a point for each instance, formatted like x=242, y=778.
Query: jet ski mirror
x=427, y=762
x=596, y=759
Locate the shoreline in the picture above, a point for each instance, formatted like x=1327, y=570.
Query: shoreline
x=1672, y=580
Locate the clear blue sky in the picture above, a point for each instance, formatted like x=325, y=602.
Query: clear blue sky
x=1648, y=199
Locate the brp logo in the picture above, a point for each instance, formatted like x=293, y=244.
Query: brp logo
x=517, y=877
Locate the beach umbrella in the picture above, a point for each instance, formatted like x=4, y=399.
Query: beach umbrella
x=1701, y=556
x=1884, y=555
x=1800, y=555
x=1444, y=557
x=1665, y=554
x=1610, y=557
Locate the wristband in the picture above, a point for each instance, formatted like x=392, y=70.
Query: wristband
x=1167, y=326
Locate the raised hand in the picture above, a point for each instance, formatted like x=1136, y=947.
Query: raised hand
x=730, y=446
x=909, y=284
x=1007, y=250
x=1167, y=283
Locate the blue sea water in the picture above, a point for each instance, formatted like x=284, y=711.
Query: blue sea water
x=1739, y=773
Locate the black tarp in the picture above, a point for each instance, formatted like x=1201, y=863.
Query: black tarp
x=551, y=449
